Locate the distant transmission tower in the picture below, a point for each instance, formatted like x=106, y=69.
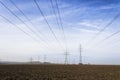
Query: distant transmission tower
x=44, y=58
x=74, y=61
x=66, y=57
x=31, y=59
x=80, y=56
x=38, y=58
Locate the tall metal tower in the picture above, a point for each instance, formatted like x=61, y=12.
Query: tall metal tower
x=44, y=58
x=31, y=59
x=66, y=57
x=74, y=61
x=38, y=58
x=80, y=56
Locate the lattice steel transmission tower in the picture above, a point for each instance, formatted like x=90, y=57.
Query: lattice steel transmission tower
x=80, y=55
x=66, y=57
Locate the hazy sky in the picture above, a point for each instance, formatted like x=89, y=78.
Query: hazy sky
x=92, y=23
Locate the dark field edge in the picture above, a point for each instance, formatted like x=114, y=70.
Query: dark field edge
x=57, y=65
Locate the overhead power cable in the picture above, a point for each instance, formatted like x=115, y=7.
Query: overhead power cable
x=108, y=37
x=31, y=23
x=51, y=1
x=25, y=16
x=61, y=23
x=115, y=17
x=47, y=23
x=22, y=21
x=18, y=28
x=106, y=26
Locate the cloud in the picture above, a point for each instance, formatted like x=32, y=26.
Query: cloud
x=89, y=24
x=81, y=21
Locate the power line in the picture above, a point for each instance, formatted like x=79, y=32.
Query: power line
x=108, y=37
x=111, y=36
x=16, y=16
x=21, y=21
x=30, y=22
x=61, y=23
x=100, y=24
x=116, y=41
x=25, y=16
x=55, y=13
x=106, y=26
x=47, y=22
x=18, y=27
x=51, y=1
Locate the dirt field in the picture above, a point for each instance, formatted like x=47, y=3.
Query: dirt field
x=59, y=72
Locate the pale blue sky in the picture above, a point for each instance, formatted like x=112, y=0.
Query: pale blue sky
x=82, y=20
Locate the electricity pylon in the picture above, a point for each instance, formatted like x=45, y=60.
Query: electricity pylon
x=66, y=57
x=44, y=58
x=38, y=58
x=80, y=55
x=31, y=59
